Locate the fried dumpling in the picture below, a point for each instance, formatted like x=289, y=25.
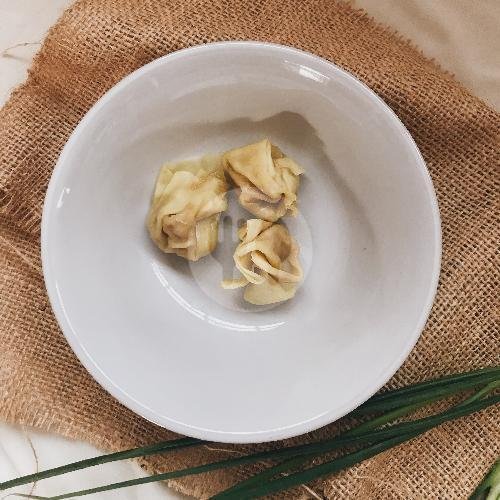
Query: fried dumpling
x=268, y=180
x=187, y=202
x=267, y=258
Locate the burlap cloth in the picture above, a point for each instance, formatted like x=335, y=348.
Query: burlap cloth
x=98, y=42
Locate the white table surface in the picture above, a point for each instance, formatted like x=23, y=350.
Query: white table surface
x=463, y=47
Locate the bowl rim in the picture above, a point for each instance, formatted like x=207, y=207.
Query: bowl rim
x=109, y=385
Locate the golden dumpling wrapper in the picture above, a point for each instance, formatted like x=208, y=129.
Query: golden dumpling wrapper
x=268, y=180
x=267, y=258
x=188, y=199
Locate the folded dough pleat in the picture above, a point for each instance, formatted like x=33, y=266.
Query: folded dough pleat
x=267, y=258
x=187, y=202
x=268, y=180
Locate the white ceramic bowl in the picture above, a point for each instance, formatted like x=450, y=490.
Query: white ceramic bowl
x=157, y=332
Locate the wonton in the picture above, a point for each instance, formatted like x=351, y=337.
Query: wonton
x=187, y=202
x=267, y=258
x=268, y=180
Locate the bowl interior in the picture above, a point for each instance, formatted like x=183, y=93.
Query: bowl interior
x=158, y=332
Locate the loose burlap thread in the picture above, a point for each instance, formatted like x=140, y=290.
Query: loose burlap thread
x=98, y=42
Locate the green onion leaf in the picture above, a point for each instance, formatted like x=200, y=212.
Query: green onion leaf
x=143, y=451
x=351, y=459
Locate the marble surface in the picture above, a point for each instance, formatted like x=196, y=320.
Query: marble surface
x=462, y=35
x=24, y=451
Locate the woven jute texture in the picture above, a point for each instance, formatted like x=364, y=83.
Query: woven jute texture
x=98, y=42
